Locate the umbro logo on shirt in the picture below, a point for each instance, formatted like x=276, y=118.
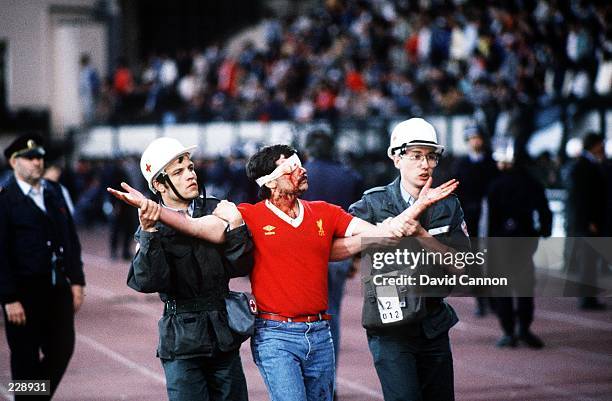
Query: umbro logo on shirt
x=269, y=230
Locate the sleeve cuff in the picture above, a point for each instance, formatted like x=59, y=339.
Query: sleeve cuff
x=237, y=233
x=8, y=299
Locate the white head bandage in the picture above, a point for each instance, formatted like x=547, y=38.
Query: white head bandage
x=286, y=167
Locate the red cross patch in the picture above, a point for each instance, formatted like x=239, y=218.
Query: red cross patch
x=148, y=167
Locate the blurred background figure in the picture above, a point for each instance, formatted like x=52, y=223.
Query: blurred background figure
x=333, y=182
x=475, y=171
x=514, y=196
x=89, y=89
x=586, y=215
x=41, y=271
x=123, y=218
x=53, y=173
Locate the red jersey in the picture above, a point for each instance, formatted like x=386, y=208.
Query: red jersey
x=291, y=255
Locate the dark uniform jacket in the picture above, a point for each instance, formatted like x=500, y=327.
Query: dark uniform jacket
x=29, y=239
x=185, y=269
x=586, y=202
x=513, y=197
x=475, y=177
x=377, y=204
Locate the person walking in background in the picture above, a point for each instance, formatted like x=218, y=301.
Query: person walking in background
x=514, y=196
x=122, y=219
x=54, y=172
x=198, y=351
x=89, y=89
x=586, y=214
x=41, y=272
x=475, y=171
x=333, y=182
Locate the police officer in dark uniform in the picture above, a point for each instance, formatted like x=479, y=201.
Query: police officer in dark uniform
x=514, y=196
x=586, y=214
x=414, y=361
x=199, y=352
x=475, y=171
x=41, y=273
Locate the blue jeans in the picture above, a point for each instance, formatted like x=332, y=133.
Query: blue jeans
x=216, y=378
x=413, y=368
x=296, y=360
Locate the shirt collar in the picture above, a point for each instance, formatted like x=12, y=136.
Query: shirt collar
x=475, y=157
x=26, y=188
x=189, y=209
x=283, y=216
x=409, y=199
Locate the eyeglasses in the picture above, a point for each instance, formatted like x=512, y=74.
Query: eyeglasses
x=432, y=158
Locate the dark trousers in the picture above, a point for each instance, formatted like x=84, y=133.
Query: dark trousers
x=49, y=330
x=122, y=227
x=336, y=278
x=508, y=313
x=413, y=368
x=217, y=378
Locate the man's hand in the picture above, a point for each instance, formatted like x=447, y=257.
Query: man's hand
x=427, y=197
x=148, y=215
x=78, y=296
x=15, y=313
x=383, y=234
x=131, y=196
x=412, y=228
x=396, y=227
x=228, y=211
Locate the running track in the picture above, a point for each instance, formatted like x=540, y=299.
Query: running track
x=115, y=359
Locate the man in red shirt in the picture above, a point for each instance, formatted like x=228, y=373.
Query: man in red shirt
x=294, y=239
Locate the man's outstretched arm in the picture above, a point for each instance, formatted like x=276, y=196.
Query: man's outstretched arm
x=209, y=228
x=405, y=224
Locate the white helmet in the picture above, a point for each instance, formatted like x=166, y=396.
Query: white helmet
x=158, y=155
x=413, y=132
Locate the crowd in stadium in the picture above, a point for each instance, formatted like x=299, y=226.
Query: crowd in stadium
x=376, y=58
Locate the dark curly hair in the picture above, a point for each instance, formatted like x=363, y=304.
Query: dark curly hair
x=264, y=162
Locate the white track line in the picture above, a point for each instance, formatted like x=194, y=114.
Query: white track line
x=149, y=311
x=117, y=357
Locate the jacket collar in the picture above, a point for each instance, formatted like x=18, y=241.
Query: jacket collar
x=198, y=206
x=397, y=204
x=396, y=200
x=16, y=195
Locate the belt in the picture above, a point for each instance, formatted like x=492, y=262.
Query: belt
x=296, y=319
x=173, y=306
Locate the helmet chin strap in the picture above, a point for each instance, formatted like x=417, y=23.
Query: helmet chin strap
x=165, y=178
